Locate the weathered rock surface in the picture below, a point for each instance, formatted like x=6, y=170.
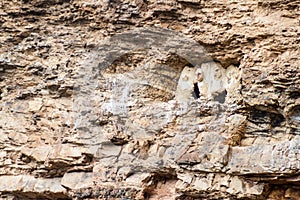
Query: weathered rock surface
x=175, y=99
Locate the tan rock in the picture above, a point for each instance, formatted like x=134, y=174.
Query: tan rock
x=77, y=180
x=148, y=93
x=26, y=183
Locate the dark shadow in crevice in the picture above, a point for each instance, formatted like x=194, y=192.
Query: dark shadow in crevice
x=196, y=93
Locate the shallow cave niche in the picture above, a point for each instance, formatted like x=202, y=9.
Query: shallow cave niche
x=294, y=115
x=138, y=93
x=265, y=121
x=294, y=94
x=260, y=116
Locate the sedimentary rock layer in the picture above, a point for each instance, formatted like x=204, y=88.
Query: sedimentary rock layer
x=174, y=99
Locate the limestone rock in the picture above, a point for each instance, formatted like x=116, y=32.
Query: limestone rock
x=173, y=99
x=77, y=180
x=37, y=187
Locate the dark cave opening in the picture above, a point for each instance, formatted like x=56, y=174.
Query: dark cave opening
x=196, y=93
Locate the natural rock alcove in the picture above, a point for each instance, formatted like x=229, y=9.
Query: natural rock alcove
x=134, y=99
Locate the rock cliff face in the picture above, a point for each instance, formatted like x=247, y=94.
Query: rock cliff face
x=144, y=99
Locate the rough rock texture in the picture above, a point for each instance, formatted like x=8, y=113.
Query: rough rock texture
x=86, y=114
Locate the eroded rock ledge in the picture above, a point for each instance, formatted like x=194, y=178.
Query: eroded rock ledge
x=85, y=114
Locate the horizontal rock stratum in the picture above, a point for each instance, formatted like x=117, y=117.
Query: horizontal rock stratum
x=144, y=99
